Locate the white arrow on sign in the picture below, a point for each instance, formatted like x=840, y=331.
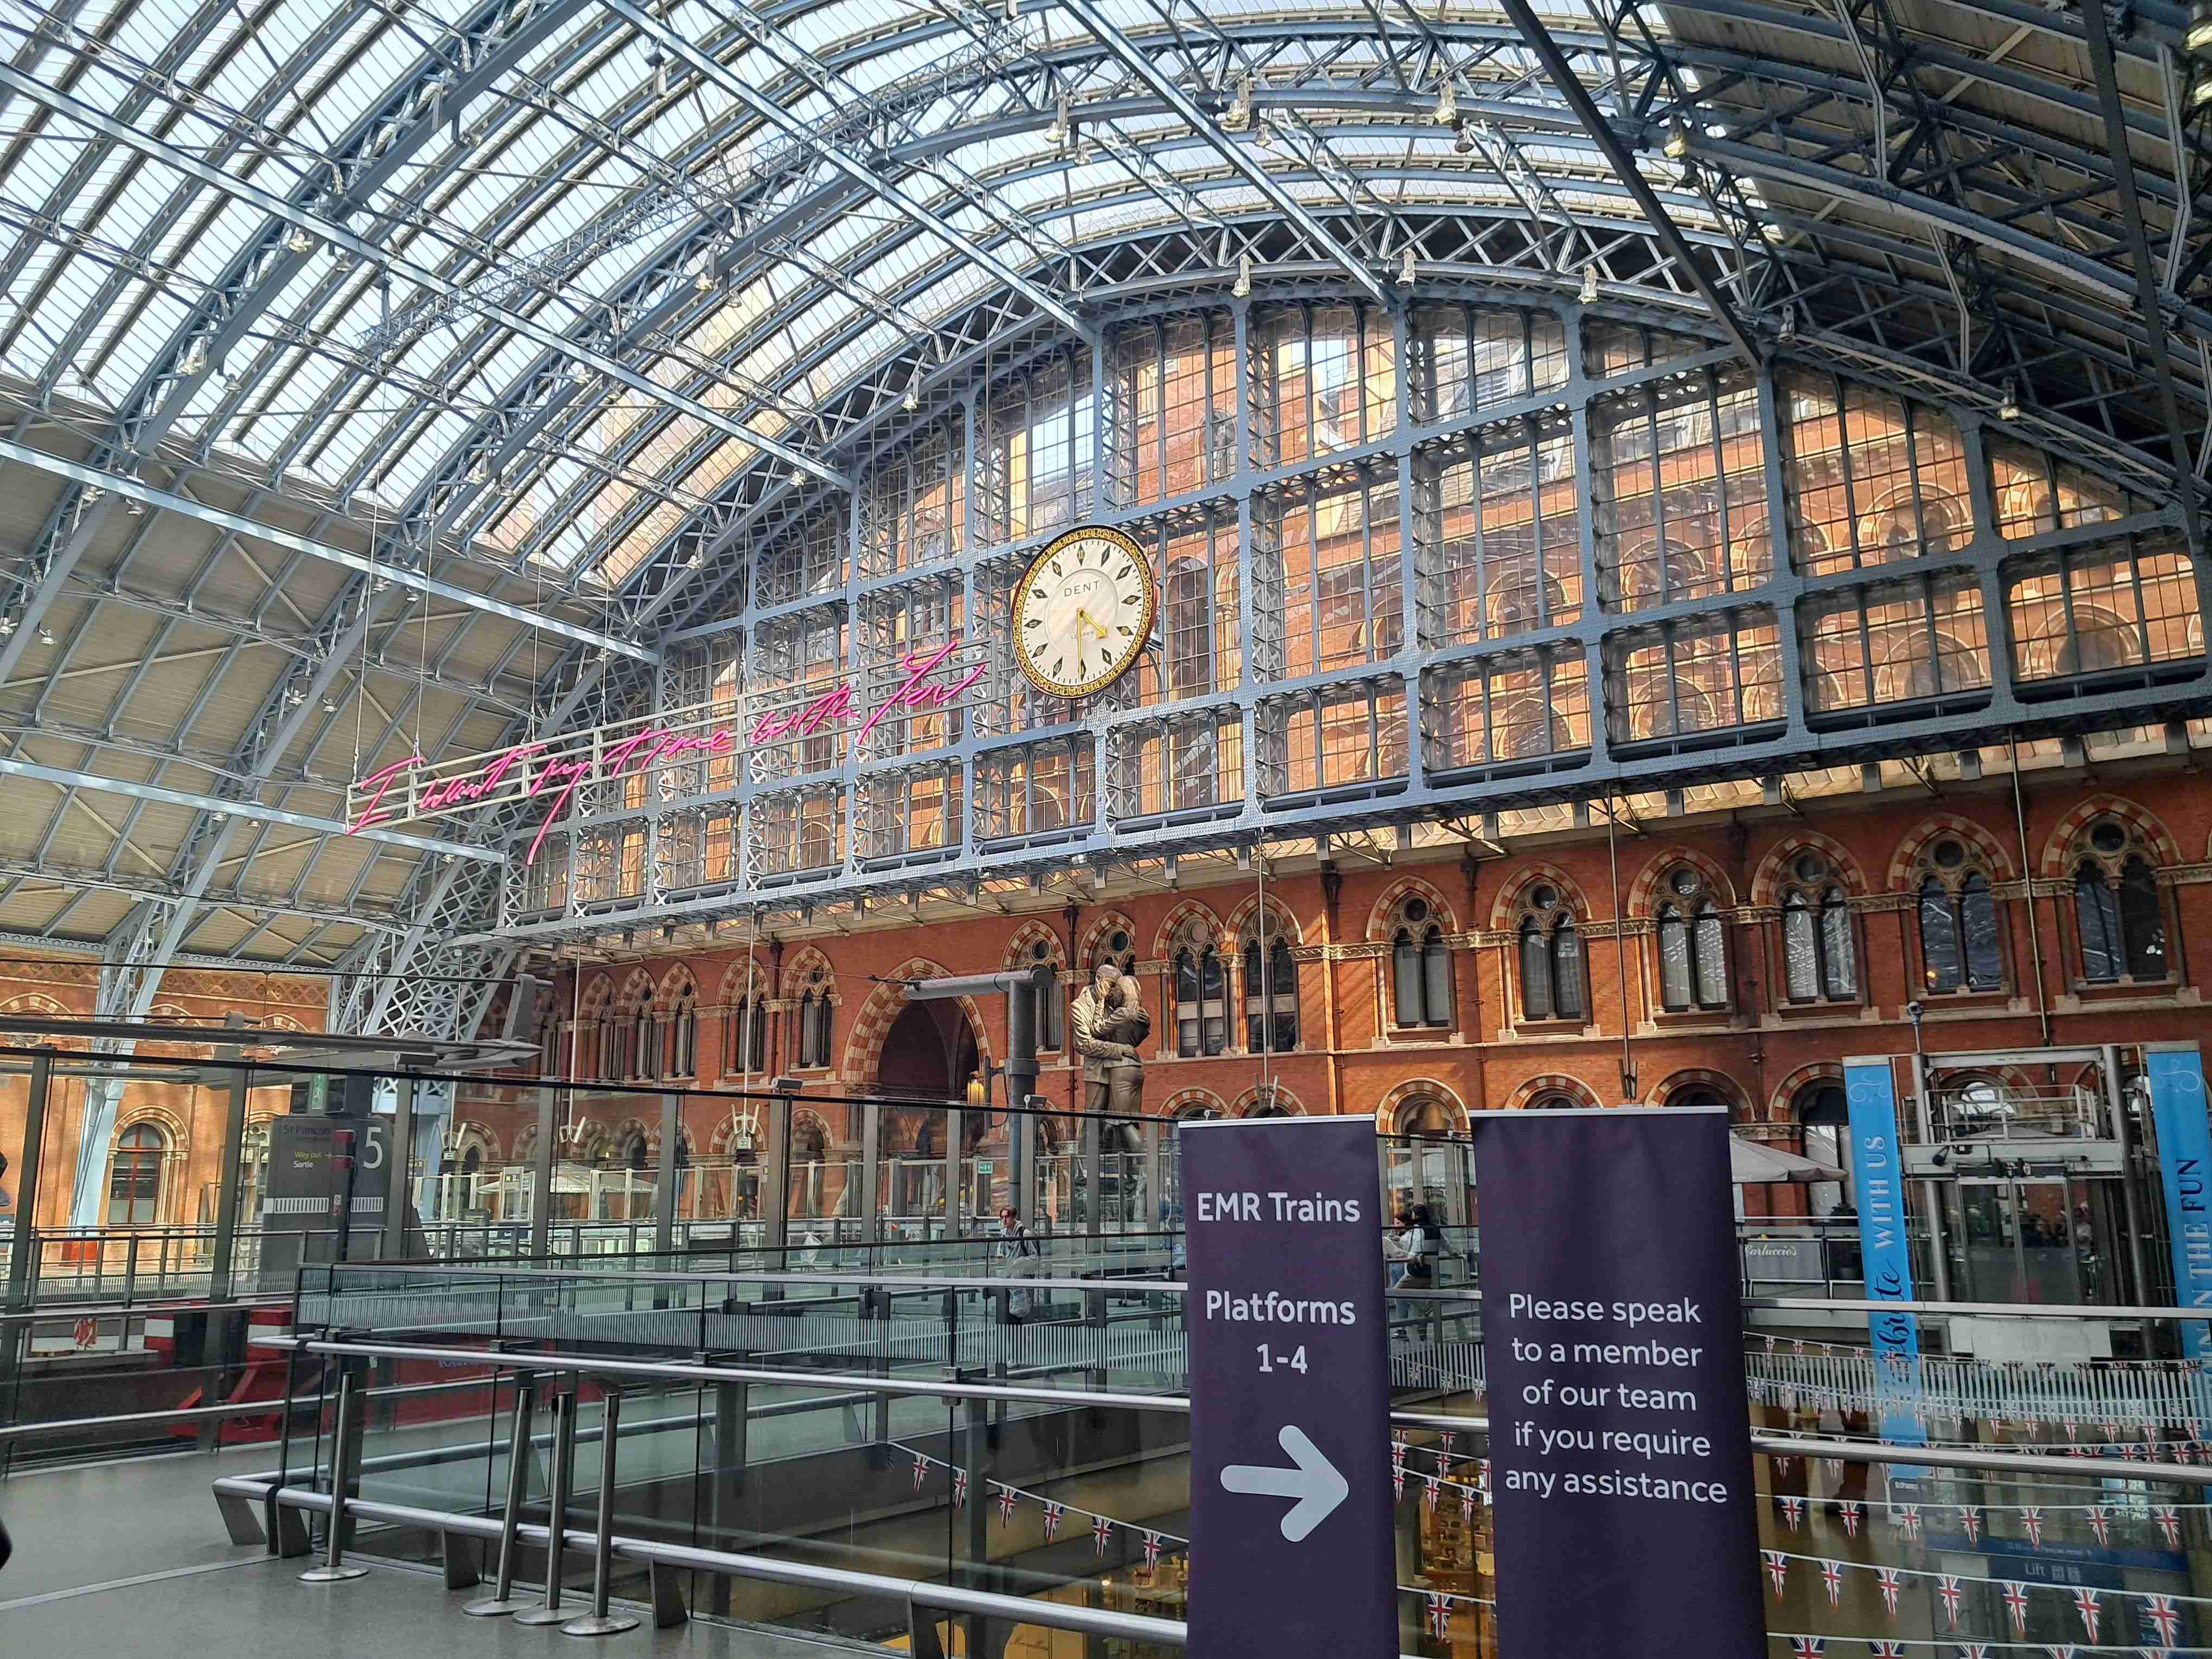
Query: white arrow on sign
x=1315, y=1483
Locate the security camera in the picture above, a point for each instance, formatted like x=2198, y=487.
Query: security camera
x=1914, y=1010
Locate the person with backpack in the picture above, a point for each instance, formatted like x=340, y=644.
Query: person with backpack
x=1015, y=1244
x=1417, y=1247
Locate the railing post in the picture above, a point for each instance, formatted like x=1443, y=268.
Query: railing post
x=556, y=1510
x=600, y=1621
x=345, y=1459
x=541, y=1177
x=229, y=1182
x=502, y=1599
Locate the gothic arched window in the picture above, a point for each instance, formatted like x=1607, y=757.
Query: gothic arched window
x=1202, y=997
x=134, y=1179
x=2118, y=914
x=1271, y=990
x=1552, y=983
x=684, y=1034
x=1819, y=959
x=1692, y=944
x=1420, y=968
x=1959, y=947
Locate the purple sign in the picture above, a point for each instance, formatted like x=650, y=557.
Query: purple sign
x=1292, y=1548
x=1612, y=1341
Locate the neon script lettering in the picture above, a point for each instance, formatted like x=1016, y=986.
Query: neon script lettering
x=555, y=779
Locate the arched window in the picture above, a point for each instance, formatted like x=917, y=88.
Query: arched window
x=1692, y=945
x=1551, y=984
x=1420, y=970
x=745, y=1038
x=1819, y=959
x=684, y=1034
x=2118, y=912
x=1271, y=990
x=1553, y=1103
x=644, y=1043
x=814, y=1018
x=1050, y=1005
x=471, y=1165
x=1202, y=995
x=1424, y=1115
x=1958, y=948
x=134, y=1179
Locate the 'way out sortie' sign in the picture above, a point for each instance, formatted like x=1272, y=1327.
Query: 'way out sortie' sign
x=1292, y=1549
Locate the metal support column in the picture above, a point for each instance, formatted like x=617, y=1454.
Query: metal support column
x=2116, y=1102
x=1094, y=1175
x=1021, y=1156
x=1156, y=1194
x=664, y=1196
x=229, y=1181
x=400, y=1176
x=953, y=1130
x=1931, y=1193
x=775, y=1199
x=556, y=1510
x=540, y=1175
x=23, y=1257
x=502, y=1599
x=1021, y=1092
x=346, y=1468
x=600, y=1620
x=974, y=1443
x=872, y=1171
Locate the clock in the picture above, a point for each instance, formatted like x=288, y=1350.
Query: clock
x=1083, y=611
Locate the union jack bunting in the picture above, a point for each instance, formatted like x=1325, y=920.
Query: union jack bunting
x=1432, y=1489
x=1832, y=1574
x=1008, y=1498
x=1052, y=1512
x=921, y=1470
x=960, y=1489
x=2073, y=1428
x=2057, y=1650
x=1909, y=1518
x=1973, y=1650
x=1777, y=1568
x=1151, y=1549
x=1793, y=1510
x=1806, y=1647
x=1834, y=1467
x=1887, y=1649
x=1852, y=1509
x=1782, y=1468
x=1101, y=1532
x=1467, y=1496
x=1770, y=1345
x=2100, y=1522
x=1439, y=1615
x=1946, y=1586
x=2169, y=1522
x=2112, y=1429
x=1483, y=1474
x=2162, y=1611
x=2084, y=1603
x=1888, y=1578
x=1450, y=1440
x=1971, y=1519
x=2015, y=1600
x=1397, y=1479
x=2032, y=1519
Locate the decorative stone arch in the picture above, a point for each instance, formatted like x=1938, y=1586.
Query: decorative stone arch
x=1643, y=892
x=176, y=1130
x=2057, y=852
x=1985, y=846
x=746, y=974
x=172, y=1013
x=1281, y=923
x=1505, y=913
x=805, y=1118
x=282, y=1023
x=34, y=1002
x=1697, y=1077
x=634, y=1127
x=1191, y=913
x=1022, y=944
x=636, y=992
x=1420, y=1088
x=589, y=1140
x=864, y=1045
x=1551, y=1083
x=1781, y=1102
x=598, y=997
x=1187, y=1102
x=671, y=987
x=799, y=974
x=1774, y=869
x=1279, y=1096
x=474, y=1131
x=1096, y=935
x=1440, y=908
x=526, y=1143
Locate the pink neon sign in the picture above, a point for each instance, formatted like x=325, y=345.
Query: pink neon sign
x=555, y=778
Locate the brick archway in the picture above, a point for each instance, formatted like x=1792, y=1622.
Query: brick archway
x=1644, y=889
x=1696, y=1077
x=1440, y=908
x=1506, y=911
x=2057, y=852
x=1184, y=1101
x=1780, y=1105
x=1419, y=1088
x=1766, y=882
x=1987, y=848
x=1551, y=1083
x=864, y=1047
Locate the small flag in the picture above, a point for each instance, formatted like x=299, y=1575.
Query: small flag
x=1946, y=1586
x=2162, y=1611
x=1052, y=1512
x=2073, y=1428
x=1777, y=1568
x=2112, y=1430
x=2032, y=1519
x=1834, y=1467
x=1805, y=1647
x=2084, y=1603
x=1439, y=1615
x=1973, y=1650
x=1008, y=1498
x=1970, y=1518
x=1909, y=1518
x=2058, y=1652
x=1397, y=1479
x=2169, y=1522
x=1432, y=1489
x=1832, y=1574
x=1851, y=1507
x=1101, y=1532
x=1770, y=1345
x=1888, y=1578
x=1151, y=1549
x=2100, y=1522
x=1793, y=1510
x=1450, y=1440
x=960, y=1489
x=921, y=1470
x=2015, y=1600
x=1887, y=1649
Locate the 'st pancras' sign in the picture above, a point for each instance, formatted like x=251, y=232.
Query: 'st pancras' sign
x=551, y=772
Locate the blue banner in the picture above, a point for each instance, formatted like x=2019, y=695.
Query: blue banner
x=1878, y=1189
x=2175, y=1073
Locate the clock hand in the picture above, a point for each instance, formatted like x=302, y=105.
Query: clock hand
x=1088, y=621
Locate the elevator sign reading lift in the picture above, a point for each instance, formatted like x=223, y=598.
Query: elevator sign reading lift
x=1291, y=1547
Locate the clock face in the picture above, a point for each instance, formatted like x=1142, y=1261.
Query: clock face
x=1083, y=612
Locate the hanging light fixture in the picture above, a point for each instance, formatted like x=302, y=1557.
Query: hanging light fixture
x=1447, y=111
x=298, y=241
x=658, y=65
x=912, y=400
x=703, y=280
x=480, y=471
x=2198, y=41
x=580, y=372
x=1464, y=143
x=46, y=635
x=1787, y=334
x=1676, y=144
x=2009, y=406
x=195, y=360
x=1590, y=285
x=1056, y=134
x=1239, y=116
x=1242, y=286
x=330, y=702
x=1406, y=269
